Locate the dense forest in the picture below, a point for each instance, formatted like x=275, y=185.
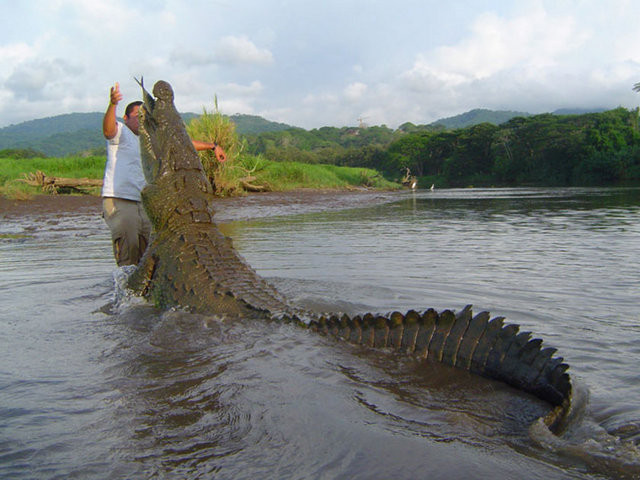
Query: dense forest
x=556, y=150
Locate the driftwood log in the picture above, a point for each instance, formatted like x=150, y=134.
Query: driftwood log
x=52, y=184
x=251, y=187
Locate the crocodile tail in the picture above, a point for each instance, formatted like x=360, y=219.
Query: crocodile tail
x=478, y=344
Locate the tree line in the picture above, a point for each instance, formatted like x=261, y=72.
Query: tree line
x=554, y=150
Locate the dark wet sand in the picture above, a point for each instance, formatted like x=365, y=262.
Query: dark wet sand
x=269, y=201
x=50, y=204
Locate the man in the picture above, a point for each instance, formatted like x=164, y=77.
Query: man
x=123, y=181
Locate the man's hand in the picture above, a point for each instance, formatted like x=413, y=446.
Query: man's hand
x=109, y=122
x=115, y=94
x=220, y=153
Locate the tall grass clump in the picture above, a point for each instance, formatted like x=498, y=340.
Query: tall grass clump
x=214, y=127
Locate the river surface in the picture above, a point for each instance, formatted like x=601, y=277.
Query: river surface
x=97, y=385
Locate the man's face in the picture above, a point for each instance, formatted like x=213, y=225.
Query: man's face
x=131, y=120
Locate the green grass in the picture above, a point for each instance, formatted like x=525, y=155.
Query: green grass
x=71, y=167
x=13, y=170
x=282, y=176
x=274, y=176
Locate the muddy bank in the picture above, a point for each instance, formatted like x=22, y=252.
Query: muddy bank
x=254, y=205
x=50, y=204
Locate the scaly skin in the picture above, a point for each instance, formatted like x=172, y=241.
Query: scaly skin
x=190, y=264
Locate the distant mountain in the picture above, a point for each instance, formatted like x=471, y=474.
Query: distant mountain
x=497, y=117
x=578, y=111
x=43, y=127
x=478, y=115
x=74, y=133
x=56, y=136
x=253, y=124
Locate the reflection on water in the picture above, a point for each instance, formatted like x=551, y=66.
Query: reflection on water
x=141, y=393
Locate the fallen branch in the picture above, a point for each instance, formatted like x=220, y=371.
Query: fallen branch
x=250, y=187
x=52, y=184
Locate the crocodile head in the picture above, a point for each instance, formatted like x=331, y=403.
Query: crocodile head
x=169, y=160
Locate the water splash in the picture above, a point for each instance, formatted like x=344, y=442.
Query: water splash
x=123, y=297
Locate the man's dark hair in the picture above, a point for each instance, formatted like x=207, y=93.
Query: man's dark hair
x=127, y=110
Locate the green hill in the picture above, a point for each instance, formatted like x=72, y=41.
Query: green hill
x=477, y=116
x=498, y=117
x=578, y=111
x=253, y=124
x=74, y=133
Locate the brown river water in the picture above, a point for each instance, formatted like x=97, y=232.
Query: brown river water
x=97, y=384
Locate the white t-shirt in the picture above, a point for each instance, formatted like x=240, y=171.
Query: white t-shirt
x=123, y=176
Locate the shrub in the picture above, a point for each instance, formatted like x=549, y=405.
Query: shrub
x=213, y=127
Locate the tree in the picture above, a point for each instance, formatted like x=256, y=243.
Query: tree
x=407, y=152
x=472, y=160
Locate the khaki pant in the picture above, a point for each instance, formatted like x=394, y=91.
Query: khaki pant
x=130, y=229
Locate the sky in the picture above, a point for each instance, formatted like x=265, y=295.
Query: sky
x=320, y=62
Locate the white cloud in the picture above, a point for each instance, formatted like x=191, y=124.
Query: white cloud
x=235, y=105
x=534, y=61
x=320, y=100
x=98, y=17
x=240, y=50
x=15, y=53
x=253, y=89
x=355, y=91
x=39, y=79
x=528, y=44
x=425, y=76
x=230, y=51
x=534, y=40
x=191, y=56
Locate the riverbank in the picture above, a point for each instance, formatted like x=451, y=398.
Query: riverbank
x=20, y=178
x=49, y=204
x=253, y=205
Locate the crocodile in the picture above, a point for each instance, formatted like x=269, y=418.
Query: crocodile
x=190, y=264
